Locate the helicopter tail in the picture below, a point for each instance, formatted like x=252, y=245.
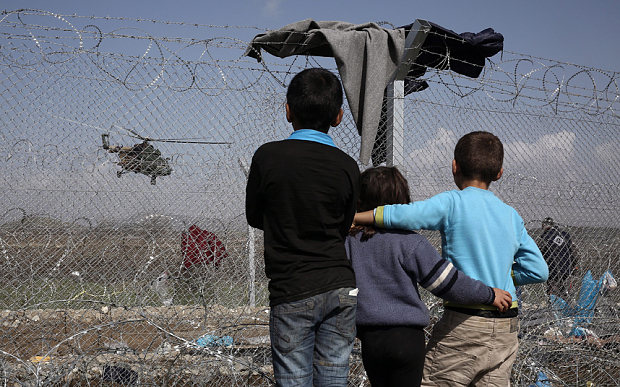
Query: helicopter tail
x=105, y=140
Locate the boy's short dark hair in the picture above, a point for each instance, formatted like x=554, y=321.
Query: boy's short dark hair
x=480, y=155
x=314, y=97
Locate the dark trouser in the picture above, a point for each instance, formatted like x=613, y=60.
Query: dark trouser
x=393, y=356
x=558, y=284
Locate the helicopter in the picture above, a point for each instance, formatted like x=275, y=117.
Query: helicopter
x=144, y=158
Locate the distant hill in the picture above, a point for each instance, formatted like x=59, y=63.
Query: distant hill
x=151, y=223
x=42, y=223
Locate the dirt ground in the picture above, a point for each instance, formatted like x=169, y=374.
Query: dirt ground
x=82, y=346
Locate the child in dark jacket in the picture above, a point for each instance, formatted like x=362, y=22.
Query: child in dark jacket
x=389, y=264
x=302, y=192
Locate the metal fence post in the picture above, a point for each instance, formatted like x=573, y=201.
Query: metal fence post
x=251, y=245
x=252, y=265
x=395, y=94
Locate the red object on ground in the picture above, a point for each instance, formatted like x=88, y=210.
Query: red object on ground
x=201, y=247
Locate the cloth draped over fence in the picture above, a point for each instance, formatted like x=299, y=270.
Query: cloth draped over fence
x=367, y=55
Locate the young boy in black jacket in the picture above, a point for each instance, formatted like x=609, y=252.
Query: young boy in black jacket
x=302, y=192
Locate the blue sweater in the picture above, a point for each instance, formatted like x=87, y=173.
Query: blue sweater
x=388, y=268
x=481, y=235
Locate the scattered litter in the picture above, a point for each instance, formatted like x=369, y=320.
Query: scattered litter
x=40, y=359
x=119, y=347
x=165, y=348
x=584, y=333
x=553, y=332
x=258, y=340
x=609, y=282
x=541, y=380
x=161, y=287
x=214, y=341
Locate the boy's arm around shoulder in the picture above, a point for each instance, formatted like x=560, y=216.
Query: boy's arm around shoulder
x=365, y=218
x=429, y=214
x=440, y=277
x=529, y=266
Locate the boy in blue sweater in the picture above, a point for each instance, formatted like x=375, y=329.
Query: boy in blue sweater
x=472, y=344
x=389, y=265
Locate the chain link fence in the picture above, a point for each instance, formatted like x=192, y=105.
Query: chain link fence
x=127, y=259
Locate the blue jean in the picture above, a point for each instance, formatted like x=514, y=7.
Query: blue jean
x=312, y=339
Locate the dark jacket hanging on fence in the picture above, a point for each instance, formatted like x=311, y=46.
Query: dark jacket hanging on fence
x=443, y=49
x=367, y=56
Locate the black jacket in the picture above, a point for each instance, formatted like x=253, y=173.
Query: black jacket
x=303, y=194
x=558, y=252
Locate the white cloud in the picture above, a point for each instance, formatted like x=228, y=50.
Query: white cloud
x=272, y=7
x=551, y=156
x=436, y=152
x=548, y=160
x=607, y=154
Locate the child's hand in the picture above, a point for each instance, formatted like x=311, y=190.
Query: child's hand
x=503, y=300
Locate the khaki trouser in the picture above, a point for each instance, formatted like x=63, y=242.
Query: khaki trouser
x=471, y=351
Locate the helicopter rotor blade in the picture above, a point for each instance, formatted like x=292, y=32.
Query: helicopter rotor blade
x=188, y=141
x=135, y=134
x=75, y=122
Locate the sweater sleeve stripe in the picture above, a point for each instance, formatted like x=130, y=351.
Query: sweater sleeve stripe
x=442, y=277
x=431, y=273
x=449, y=285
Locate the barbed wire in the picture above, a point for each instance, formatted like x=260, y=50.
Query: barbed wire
x=562, y=95
x=121, y=18
x=93, y=287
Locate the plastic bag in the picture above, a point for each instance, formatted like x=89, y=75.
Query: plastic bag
x=214, y=341
x=160, y=285
x=609, y=282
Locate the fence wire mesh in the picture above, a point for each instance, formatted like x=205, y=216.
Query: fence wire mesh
x=128, y=260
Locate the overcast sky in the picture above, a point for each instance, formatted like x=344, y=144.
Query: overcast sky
x=579, y=32
x=566, y=31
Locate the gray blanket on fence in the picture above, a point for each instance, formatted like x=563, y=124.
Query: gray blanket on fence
x=366, y=56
